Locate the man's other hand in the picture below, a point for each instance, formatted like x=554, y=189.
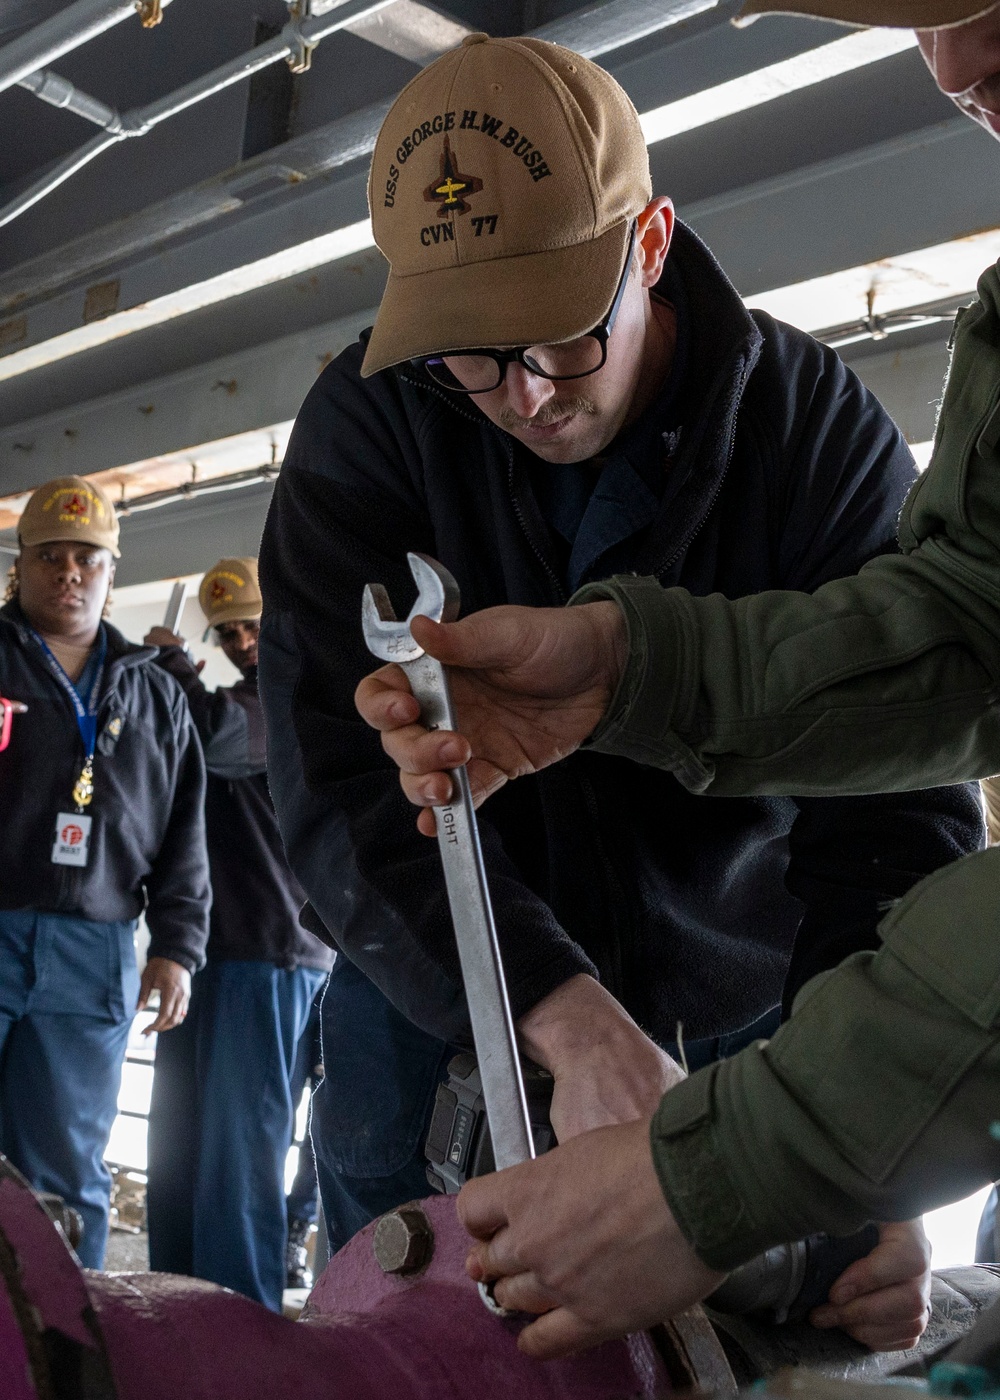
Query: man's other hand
x=163, y=637
x=883, y=1300
x=584, y=1236
x=606, y=1070
x=529, y=686
x=173, y=982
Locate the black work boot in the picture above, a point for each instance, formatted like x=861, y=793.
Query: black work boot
x=297, y=1271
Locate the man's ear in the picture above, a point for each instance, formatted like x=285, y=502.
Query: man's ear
x=654, y=233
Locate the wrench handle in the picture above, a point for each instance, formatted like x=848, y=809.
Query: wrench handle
x=475, y=933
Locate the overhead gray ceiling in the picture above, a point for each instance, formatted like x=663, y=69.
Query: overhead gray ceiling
x=860, y=167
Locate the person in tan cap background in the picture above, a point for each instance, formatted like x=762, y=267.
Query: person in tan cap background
x=102, y=790
x=561, y=385
x=876, y=1097
x=224, y=1090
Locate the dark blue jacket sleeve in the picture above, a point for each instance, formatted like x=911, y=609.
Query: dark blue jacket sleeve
x=229, y=720
x=848, y=471
x=178, y=891
x=347, y=507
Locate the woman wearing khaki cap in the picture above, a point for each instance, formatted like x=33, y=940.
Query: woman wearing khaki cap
x=102, y=788
x=877, y=1097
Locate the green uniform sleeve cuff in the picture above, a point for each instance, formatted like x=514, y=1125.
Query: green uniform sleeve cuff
x=657, y=693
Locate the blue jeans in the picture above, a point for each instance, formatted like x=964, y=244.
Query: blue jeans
x=220, y=1126
x=68, y=992
x=371, y=1113
x=303, y=1198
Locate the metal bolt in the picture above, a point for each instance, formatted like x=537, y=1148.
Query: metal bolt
x=403, y=1241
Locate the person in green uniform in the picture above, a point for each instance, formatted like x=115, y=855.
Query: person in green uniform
x=877, y=1098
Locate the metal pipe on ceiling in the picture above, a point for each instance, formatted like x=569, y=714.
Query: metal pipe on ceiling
x=60, y=92
x=316, y=153
x=75, y=25
x=294, y=43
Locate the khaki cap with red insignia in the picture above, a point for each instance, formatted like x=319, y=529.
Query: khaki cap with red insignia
x=503, y=187
x=230, y=592
x=70, y=508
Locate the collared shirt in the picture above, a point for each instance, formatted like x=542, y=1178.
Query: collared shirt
x=592, y=506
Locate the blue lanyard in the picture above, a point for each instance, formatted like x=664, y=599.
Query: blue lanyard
x=85, y=710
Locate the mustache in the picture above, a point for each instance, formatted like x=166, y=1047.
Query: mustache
x=548, y=413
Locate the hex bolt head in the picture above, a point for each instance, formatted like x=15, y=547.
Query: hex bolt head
x=403, y=1241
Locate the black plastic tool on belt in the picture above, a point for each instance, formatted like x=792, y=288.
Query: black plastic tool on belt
x=782, y=1285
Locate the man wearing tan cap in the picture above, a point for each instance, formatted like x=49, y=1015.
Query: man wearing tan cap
x=102, y=789
x=222, y=1112
x=561, y=385
x=878, y=1096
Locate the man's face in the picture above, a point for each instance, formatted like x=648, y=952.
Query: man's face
x=965, y=62
x=571, y=420
x=63, y=586
x=239, y=642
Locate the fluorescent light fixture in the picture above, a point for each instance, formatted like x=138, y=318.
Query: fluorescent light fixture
x=921, y=278
x=790, y=75
x=277, y=267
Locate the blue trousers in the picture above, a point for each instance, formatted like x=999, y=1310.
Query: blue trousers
x=371, y=1113
x=303, y=1198
x=220, y=1126
x=68, y=992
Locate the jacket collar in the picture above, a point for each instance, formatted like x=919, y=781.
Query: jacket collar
x=121, y=653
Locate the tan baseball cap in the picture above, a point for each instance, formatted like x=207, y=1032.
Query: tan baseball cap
x=230, y=592
x=70, y=508
x=890, y=14
x=503, y=188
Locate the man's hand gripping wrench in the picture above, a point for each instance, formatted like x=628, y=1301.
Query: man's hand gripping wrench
x=464, y=872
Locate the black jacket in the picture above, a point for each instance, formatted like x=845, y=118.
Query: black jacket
x=786, y=472
x=255, y=897
x=147, y=846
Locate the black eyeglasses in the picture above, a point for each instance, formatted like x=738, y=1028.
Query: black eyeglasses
x=480, y=371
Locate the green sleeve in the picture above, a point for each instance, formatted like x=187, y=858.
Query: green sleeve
x=885, y=681
x=873, y=1102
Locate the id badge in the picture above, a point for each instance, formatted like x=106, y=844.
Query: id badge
x=72, y=840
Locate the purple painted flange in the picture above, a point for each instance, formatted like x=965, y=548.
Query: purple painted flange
x=44, y=1297
x=368, y=1337
x=15, y=1368
x=443, y=1318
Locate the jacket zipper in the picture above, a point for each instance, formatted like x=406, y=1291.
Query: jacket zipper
x=685, y=544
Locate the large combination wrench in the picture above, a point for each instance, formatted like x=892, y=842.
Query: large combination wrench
x=461, y=855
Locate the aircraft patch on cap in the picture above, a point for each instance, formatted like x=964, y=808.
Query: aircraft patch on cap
x=452, y=189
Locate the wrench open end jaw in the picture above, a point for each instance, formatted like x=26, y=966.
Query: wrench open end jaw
x=438, y=598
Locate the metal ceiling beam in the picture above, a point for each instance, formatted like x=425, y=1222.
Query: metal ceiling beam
x=184, y=538
x=259, y=386
x=73, y=26
x=318, y=153
x=862, y=206
x=316, y=208
x=294, y=44
x=602, y=28
x=406, y=28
